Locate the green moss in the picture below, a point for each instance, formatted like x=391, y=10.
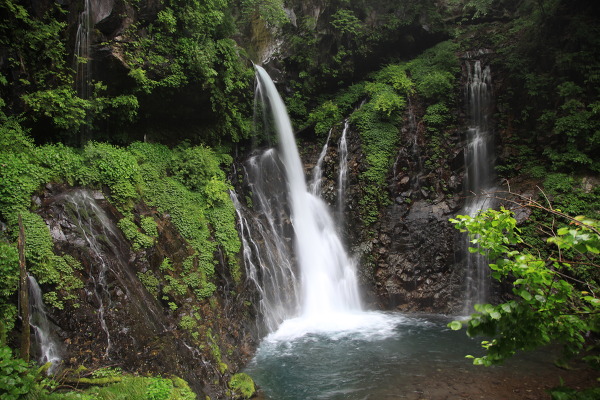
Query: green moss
x=379, y=139
x=242, y=386
x=431, y=76
x=199, y=189
x=47, y=267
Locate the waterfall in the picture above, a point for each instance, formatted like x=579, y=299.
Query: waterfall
x=286, y=211
x=343, y=169
x=93, y=223
x=82, y=51
x=45, y=337
x=83, y=62
x=267, y=253
x=315, y=185
x=479, y=161
x=105, y=250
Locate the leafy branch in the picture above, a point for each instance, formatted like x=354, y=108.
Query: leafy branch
x=552, y=302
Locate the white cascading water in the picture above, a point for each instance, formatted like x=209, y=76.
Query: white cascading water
x=45, y=337
x=315, y=184
x=264, y=243
x=343, y=169
x=85, y=209
x=93, y=12
x=82, y=51
x=479, y=160
x=107, y=253
x=326, y=296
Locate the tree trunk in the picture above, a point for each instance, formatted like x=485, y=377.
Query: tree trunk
x=23, y=295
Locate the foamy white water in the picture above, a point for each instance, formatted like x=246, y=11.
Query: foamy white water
x=368, y=325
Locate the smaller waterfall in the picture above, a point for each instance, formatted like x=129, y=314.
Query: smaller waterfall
x=85, y=211
x=93, y=12
x=343, y=170
x=45, y=337
x=315, y=185
x=82, y=51
x=479, y=160
x=105, y=253
x=83, y=63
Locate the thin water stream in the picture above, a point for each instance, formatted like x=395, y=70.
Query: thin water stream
x=48, y=346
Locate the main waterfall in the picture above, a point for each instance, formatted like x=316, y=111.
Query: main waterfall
x=328, y=279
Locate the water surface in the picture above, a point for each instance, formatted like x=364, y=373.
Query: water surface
x=389, y=356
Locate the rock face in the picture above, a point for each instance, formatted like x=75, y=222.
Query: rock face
x=414, y=257
x=117, y=321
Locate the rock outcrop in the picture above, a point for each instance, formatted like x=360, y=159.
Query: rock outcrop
x=118, y=320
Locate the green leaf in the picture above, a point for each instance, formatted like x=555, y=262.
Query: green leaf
x=455, y=325
x=525, y=294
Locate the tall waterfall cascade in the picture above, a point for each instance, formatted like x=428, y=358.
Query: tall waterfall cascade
x=45, y=337
x=292, y=251
x=480, y=177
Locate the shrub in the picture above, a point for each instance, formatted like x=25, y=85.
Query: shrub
x=159, y=389
x=115, y=167
x=195, y=166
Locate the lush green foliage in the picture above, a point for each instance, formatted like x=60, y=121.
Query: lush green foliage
x=187, y=46
x=138, y=239
x=330, y=53
x=183, y=45
x=127, y=387
x=43, y=263
x=159, y=389
x=44, y=86
x=269, y=11
x=9, y=281
x=552, y=303
x=16, y=380
x=431, y=76
x=550, y=99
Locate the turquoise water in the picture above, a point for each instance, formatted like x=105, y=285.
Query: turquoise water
x=396, y=357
